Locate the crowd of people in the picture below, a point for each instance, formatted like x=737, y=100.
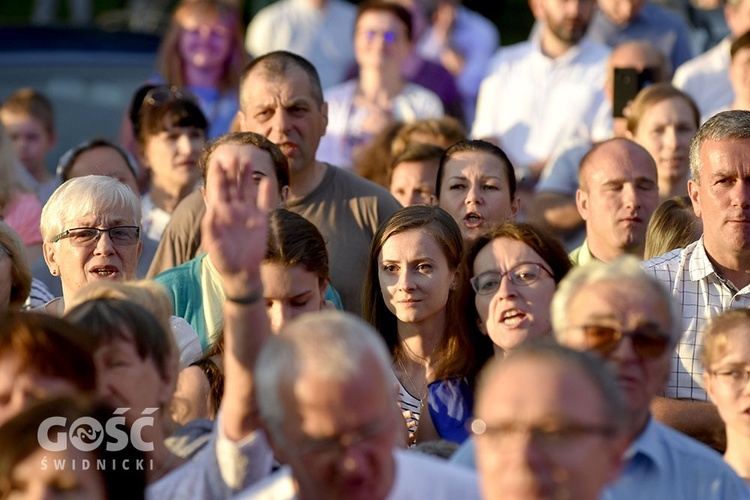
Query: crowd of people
x=306, y=270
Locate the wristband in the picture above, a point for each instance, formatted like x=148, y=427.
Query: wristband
x=247, y=299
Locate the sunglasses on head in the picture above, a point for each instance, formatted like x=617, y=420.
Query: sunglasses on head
x=648, y=341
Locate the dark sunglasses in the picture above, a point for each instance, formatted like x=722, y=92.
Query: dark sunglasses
x=648, y=341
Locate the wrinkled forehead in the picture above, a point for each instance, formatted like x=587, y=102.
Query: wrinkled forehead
x=626, y=302
x=121, y=216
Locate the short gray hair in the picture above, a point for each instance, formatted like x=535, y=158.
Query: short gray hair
x=625, y=269
x=722, y=126
x=330, y=344
x=91, y=194
x=593, y=368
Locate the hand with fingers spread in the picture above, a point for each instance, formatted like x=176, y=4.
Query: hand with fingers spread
x=234, y=229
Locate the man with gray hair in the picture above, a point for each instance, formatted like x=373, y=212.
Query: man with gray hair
x=550, y=422
x=710, y=275
x=626, y=317
x=327, y=402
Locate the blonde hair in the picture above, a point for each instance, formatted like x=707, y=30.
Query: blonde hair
x=715, y=336
x=673, y=225
x=90, y=194
x=149, y=294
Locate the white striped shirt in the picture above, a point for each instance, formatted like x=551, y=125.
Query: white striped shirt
x=702, y=294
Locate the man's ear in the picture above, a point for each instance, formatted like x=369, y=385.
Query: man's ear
x=582, y=203
x=241, y=120
x=324, y=112
x=694, y=193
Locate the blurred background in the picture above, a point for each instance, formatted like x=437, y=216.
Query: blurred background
x=87, y=56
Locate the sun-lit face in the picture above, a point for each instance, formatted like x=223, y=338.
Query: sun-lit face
x=172, y=157
x=290, y=292
x=567, y=20
x=624, y=306
x=413, y=182
x=380, y=39
x=322, y=415
x=617, y=199
x=283, y=110
x=475, y=191
x=246, y=159
x=721, y=198
x=737, y=15
x=513, y=314
x=127, y=380
x=414, y=276
x=665, y=130
x=726, y=382
x=206, y=43
x=530, y=396
x=104, y=161
x=29, y=479
x=101, y=259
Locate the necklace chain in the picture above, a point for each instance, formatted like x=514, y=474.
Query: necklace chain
x=413, y=385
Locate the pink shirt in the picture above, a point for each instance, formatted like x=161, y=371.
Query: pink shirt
x=23, y=214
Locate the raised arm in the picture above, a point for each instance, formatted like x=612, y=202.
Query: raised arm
x=234, y=234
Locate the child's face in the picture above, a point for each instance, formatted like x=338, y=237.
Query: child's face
x=30, y=139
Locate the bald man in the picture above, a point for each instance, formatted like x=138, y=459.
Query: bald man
x=618, y=194
x=553, y=205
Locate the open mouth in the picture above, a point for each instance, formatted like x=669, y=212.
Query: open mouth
x=105, y=271
x=513, y=317
x=287, y=148
x=473, y=219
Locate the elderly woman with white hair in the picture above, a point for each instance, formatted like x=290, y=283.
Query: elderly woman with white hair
x=91, y=230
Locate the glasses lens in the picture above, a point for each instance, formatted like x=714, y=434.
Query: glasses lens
x=603, y=339
x=124, y=234
x=524, y=274
x=649, y=344
x=83, y=236
x=486, y=283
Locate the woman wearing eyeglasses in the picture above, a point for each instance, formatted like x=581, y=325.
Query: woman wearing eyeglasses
x=726, y=370
x=361, y=108
x=408, y=293
x=90, y=227
x=506, y=281
x=507, y=278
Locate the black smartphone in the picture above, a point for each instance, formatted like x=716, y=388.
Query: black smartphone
x=628, y=82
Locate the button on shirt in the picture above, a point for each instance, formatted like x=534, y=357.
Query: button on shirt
x=702, y=294
x=533, y=103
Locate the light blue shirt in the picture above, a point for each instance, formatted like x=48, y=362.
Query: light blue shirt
x=661, y=464
x=664, y=463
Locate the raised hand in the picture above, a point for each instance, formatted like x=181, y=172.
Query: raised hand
x=234, y=229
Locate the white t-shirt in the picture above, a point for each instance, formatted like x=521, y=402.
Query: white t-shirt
x=533, y=104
